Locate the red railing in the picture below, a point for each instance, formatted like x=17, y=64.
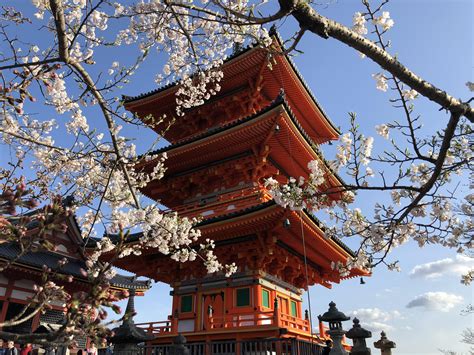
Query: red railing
x=233, y=321
x=241, y=320
x=287, y=321
x=157, y=328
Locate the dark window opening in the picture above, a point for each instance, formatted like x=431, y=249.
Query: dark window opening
x=187, y=303
x=243, y=297
x=14, y=309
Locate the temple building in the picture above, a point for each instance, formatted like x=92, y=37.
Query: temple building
x=25, y=270
x=264, y=122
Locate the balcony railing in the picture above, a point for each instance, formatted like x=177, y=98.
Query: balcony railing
x=290, y=322
x=250, y=347
x=241, y=320
x=157, y=328
x=230, y=321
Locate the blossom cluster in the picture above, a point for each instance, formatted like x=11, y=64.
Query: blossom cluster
x=196, y=44
x=384, y=20
x=359, y=24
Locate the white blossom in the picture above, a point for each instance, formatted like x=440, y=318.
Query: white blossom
x=381, y=81
x=383, y=130
x=384, y=20
x=359, y=24
x=410, y=94
x=369, y=171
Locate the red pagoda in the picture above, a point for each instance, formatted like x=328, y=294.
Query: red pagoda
x=263, y=123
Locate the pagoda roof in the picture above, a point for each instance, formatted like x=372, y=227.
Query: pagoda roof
x=280, y=100
x=128, y=99
x=201, y=153
x=265, y=205
x=246, y=224
x=215, y=227
x=135, y=237
x=255, y=56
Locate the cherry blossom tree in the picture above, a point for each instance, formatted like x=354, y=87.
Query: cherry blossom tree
x=64, y=72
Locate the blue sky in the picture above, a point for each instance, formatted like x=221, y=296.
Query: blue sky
x=435, y=39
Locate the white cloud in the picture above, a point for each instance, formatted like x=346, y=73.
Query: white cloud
x=449, y=266
x=438, y=301
x=375, y=319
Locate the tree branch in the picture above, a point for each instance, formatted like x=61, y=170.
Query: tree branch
x=308, y=18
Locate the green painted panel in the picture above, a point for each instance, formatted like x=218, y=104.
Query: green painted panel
x=293, y=308
x=265, y=298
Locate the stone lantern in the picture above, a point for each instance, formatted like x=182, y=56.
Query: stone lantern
x=384, y=344
x=335, y=318
x=128, y=335
x=179, y=347
x=358, y=336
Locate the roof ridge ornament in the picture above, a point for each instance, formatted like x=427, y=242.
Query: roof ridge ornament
x=273, y=31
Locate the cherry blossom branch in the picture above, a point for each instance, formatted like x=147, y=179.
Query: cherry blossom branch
x=60, y=24
x=30, y=64
x=285, y=10
x=184, y=31
x=31, y=140
x=83, y=22
x=446, y=143
x=58, y=14
x=110, y=124
x=19, y=319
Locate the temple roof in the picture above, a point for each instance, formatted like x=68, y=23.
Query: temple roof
x=75, y=265
x=74, y=230
x=10, y=251
x=37, y=259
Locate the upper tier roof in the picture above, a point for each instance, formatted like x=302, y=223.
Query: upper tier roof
x=245, y=73
x=232, y=145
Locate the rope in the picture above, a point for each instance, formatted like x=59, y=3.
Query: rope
x=307, y=278
x=305, y=259
x=308, y=293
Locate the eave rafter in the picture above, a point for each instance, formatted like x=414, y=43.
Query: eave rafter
x=272, y=133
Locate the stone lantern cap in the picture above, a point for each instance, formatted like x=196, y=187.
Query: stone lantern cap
x=357, y=332
x=333, y=315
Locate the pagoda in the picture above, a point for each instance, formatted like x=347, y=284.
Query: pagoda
x=264, y=122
